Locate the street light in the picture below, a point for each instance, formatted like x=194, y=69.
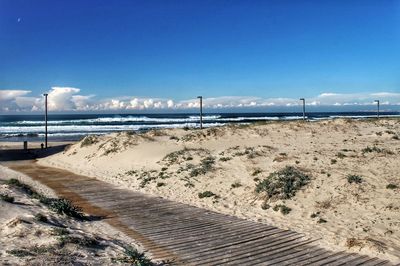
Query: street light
x=45, y=119
x=304, y=108
x=377, y=113
x=201, y=111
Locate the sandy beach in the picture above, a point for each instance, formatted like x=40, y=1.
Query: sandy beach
x=349, y=200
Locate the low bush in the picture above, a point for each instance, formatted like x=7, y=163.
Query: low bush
x=133, y=257
x=60, y=206
x=41, y=218
x=207, y=194
x=354, y=179
x=236, y=185
x=89, y=140
x=282, y=184
x=373, y=149
x=283, y=208
x=391, y=186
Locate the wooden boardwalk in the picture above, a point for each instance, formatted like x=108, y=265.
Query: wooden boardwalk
x=187, y=235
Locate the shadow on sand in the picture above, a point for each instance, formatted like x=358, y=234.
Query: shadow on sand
x=8, y=155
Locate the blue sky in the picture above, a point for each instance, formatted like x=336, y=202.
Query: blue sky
x=98, y=51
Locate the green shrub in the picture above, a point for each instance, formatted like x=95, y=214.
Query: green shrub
x=341, y=155
x=206, y=165
x=265, y=205
x=6, y=198
x=133, y=257
x=62, y=206
x=23, y=187
x=41, y=218
x=283, y=184
x=256, y=172
x=373, y=149
x=207, y=194
x=354, y=179
x=160, y=184
x=236, y=185
x=391, y=186
x=89, y=140
x=283, y=208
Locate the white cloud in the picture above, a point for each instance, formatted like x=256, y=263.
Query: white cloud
x=70, y=99
x=61, y=98
x=8, y=95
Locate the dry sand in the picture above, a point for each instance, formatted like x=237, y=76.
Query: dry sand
x=362, y=218
x=26, y=240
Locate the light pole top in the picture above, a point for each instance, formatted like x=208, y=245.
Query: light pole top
x=377, y=101
x=302, y=99
x=199, y=97
x=45, y=94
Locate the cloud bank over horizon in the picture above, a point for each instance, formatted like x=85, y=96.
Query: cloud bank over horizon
x=71, y=99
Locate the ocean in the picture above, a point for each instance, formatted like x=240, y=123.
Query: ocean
x=71, y=127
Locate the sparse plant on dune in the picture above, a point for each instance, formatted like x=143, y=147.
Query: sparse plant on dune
x=283, y=208
x=89, y=140
x=391, y=186
x=341, y=155
x=40, y=218
x=236, y=185
x=283, y=184
x=373, y=149
x=60, y=206
x=133, y=257
x=207, y=194
x=354, y=179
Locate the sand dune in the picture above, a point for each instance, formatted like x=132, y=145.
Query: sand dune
x=350, y=202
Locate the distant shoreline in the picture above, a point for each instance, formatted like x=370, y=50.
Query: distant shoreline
x=75, y=127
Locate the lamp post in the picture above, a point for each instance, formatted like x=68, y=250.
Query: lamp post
x=377, y=113
x=201, y=111
x=45, y=119
x=304, y=108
